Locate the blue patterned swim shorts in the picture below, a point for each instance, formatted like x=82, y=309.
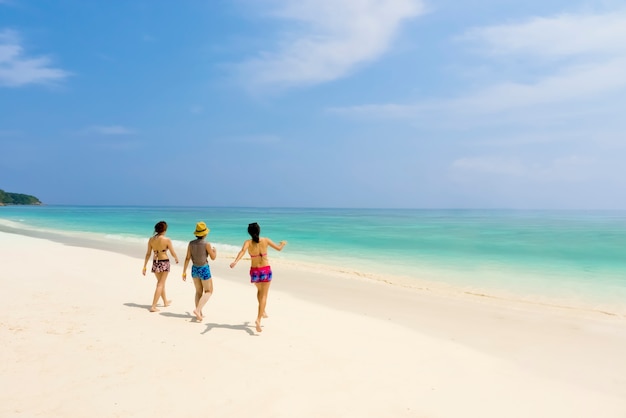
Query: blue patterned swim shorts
x=201, y=272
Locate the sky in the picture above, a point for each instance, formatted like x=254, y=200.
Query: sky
x=315, y=103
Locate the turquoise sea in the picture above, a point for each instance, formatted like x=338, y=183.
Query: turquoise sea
x=559, y=255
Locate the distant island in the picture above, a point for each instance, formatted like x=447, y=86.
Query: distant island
x=7, y=198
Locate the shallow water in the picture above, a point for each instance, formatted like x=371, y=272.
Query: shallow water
x=573, y=254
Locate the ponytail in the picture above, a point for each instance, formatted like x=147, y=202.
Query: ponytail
x=255, y=231
x=160, y=228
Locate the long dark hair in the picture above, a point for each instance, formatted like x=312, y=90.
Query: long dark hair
x=254, y=230
x=160, y=227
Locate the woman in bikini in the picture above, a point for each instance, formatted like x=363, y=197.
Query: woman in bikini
x=260, y=271
x=158, y=245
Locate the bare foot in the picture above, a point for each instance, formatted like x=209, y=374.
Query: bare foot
x=154, y=309
x=265, y=315
x=168, y=303
x=198, y=315
x=258, y=325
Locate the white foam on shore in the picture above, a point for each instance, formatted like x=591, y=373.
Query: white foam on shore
x=432, y=279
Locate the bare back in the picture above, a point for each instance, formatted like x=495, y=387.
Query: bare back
x=159, y=245
x=258, y=253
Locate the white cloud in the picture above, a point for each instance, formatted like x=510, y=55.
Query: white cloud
x=560, y=36
x=490, y=165
x=584, y=56
x=575, y=82
x=109, y=130
x=18, y=70
x=567, y=168
x=332, y=38
x=561, y=60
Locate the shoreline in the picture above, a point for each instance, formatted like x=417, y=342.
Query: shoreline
x=437, y=283
x=81, y=340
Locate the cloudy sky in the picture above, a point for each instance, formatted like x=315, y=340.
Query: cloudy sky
x=315, y=103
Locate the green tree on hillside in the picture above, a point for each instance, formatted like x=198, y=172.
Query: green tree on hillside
x=7, y=198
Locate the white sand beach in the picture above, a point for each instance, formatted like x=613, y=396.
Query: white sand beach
x=78, y=340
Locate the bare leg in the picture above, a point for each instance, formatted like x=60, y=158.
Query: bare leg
x=159, y=292
x=166, y=301
x=207, y=286
x=261, y=295
x=199, y=292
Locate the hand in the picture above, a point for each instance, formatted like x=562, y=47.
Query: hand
x=233, y=264
x=184, y=277
x=143, y=271
x=176, y=260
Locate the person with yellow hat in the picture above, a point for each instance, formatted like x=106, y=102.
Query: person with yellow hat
x=198, y=252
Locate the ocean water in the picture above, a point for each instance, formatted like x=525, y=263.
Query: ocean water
x=557, y=255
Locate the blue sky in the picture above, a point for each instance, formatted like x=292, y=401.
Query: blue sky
x=315, y=103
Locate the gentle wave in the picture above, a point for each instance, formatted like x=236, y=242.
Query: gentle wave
x=551, y=253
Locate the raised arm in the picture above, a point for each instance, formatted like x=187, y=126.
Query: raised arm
x=241, y=253
x=278, y=247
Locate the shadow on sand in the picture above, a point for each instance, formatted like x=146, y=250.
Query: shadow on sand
x=209, y=326
x=243, y=327
x=186, y=315
x=246, y=327
x=136, y=305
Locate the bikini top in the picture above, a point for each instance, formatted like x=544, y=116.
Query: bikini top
x=258, y=255
x=156, y=252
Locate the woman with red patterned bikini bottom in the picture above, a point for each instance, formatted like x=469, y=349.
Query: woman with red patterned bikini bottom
x=260, y=270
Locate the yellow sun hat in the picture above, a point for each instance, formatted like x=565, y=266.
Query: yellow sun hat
x=201, y=229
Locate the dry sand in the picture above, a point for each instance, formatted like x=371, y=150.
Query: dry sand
x=78, y=340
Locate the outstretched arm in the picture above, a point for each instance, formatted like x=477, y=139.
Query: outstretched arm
x=241, y=253
x=278, y=247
